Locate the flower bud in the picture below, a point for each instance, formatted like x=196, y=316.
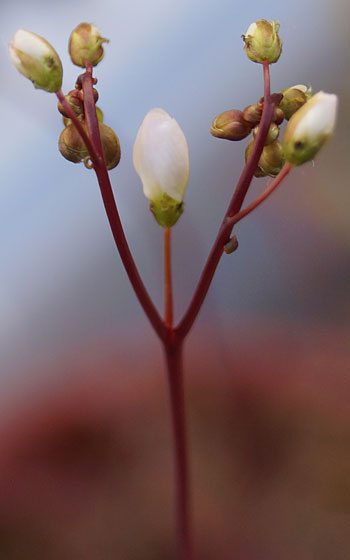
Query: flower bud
x=310, y=127
x=293, y=98
x=161, y=160
x=74, y=100
x=272, y=134
x=271, y=160
x=262, y=42
x=110, y=145
x=37, y=60
x=278, y=116
x=85, y=44
x=252, y=114
x=71, y=145
x=231, y=246
x=230, y=125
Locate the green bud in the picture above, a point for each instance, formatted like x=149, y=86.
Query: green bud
x=166, y=210
x=85, y=44
x=310, y=128
x=110, y=145
x=231, y=246
x=37, y=60
x=293, y=98
x=272, y=134
x=271, y=160
x=71, y=145
x=262, y=42
x=230, y=125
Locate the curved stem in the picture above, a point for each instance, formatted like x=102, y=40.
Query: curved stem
x=264, y=195
x=235, y=205
x=168, y=288
x=173, y=355
x=112, y=211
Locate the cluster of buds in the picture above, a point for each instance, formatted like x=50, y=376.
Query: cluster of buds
x=236, y=125
x=85, y=46
x=160, y=152
x=37, y=60
x=311, y=118
x=70, y=143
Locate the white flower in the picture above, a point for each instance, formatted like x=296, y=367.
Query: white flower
x=36, y=59
x=161, y=160
x=310, y=127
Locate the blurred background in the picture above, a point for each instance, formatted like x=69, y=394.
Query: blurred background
x=85, y=450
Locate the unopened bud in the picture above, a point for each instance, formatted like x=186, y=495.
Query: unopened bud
x=231, y=245
x=74, y=100
x=278, y=116
x=262, y=42
x=230, y=125
x=71, y=145
x=293, y=98
x=37, y=60
x=310, y=127
x=272, y=134
x=110, y=145
x=271, y=160
x=161, y=160
x=85, y=44
x=252, y=114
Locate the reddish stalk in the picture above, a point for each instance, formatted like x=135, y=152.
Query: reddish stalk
x=234, y=207
x=264, y=195
x=168, y=288
x=112, y=211
x=173, y=354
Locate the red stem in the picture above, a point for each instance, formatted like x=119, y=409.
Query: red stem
x=264, y=195
x=173, y=355
x=235, y=205
x=112, y=211
x=168, y=288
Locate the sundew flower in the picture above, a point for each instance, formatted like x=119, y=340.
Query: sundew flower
x=37, y=60
x=262, y=42
x=85, y=44
x=310, y=128
x=161, y=160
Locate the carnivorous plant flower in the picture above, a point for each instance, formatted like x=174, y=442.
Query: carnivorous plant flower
x=36, y=59
x=161, y=160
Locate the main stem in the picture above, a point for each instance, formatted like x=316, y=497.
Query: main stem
x=173, y=354
x=234, y=207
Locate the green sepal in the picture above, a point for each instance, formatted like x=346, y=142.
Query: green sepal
x=166, y=210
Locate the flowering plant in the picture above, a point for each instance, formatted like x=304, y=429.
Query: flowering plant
x=161, y=159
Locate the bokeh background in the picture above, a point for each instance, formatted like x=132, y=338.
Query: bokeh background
x=85, y=451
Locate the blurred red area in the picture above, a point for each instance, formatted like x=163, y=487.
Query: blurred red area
x=86, y=473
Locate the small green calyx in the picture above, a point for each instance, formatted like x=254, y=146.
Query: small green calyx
x=262, y=42
x=166, y=210
x=85, y=44
x=302, y=149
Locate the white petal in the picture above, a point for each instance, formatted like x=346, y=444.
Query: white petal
x=31, y=43
x=319, y=118
x=161, y=156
